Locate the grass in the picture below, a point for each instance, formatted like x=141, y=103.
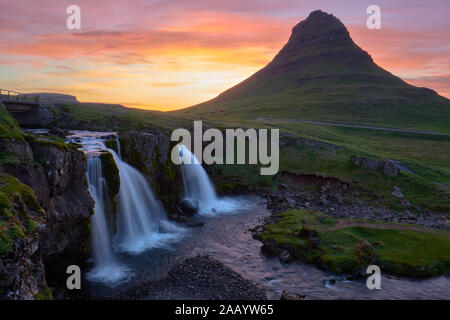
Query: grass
x=397, y=251
x=324, y=151
x=55, y=141
x=112, y=118
x=20, y=212
x=353, y=104
x=9, y=129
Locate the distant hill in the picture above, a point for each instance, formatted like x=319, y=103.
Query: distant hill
x=322, y=75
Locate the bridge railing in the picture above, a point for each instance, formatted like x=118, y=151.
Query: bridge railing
x=14, y=96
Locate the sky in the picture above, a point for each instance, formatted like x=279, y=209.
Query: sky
x=170, y=54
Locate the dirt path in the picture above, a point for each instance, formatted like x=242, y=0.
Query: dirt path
x=356, y=126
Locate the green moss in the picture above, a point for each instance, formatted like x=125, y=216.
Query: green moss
x=110, y=173
x=44, y=294
x=20, y=211
x=396, y=250
x=55, y=141
x=112, y=144
x=9, y=128
x=131, y=155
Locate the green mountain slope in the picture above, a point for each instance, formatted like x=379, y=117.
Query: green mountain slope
x=322, y=75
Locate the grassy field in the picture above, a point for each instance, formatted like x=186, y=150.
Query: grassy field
x=325, y=151
x=112, y=118
x=398, y=249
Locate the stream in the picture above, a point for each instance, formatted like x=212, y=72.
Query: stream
x=227, y=238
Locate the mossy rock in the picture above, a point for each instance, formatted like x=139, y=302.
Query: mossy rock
x=20, y=212
x=110, y=173
x=364, y=253
x=112, y=144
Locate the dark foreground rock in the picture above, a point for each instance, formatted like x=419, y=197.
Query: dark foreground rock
x=56, y=177
x=189, y=206
x=198, y=278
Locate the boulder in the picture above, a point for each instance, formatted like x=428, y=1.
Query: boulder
x=364, y=253
x=390, y=168
x=189, y=206
x=291, y=296
x=397, y=192
x=371, y=164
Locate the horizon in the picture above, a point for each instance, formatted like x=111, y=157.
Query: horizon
x=156, y=56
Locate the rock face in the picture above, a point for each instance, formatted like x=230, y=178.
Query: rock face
x=57, y=176
x=22, y=227
x=146, y=151
x=149, y=152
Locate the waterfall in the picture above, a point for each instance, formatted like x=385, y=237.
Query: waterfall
x=106, y=267
x=100, y=238
x=198, y=186
x=118, y=147
x=142, y=220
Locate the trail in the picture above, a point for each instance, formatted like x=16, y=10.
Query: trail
x=356, y=126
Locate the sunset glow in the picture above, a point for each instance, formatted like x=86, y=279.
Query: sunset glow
x=167, y=55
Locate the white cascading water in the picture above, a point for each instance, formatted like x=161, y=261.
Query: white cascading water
x=198, y=186
x=107, y=269
x=142, y=222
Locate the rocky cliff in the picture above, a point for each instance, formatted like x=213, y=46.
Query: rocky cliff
x=149, y=152
x=52, y=177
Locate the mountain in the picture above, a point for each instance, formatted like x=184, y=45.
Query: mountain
x=322, y=75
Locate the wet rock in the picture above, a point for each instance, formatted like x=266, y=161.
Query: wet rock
x=291, y=296
x=55, y=131
x=195, y=224
x=189, y=206
x=284, y=256
x=269, y=248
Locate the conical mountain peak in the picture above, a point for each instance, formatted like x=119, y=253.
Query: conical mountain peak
x=321, y=74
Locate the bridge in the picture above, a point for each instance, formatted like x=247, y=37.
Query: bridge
x=25, y=108
x=16, y=102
